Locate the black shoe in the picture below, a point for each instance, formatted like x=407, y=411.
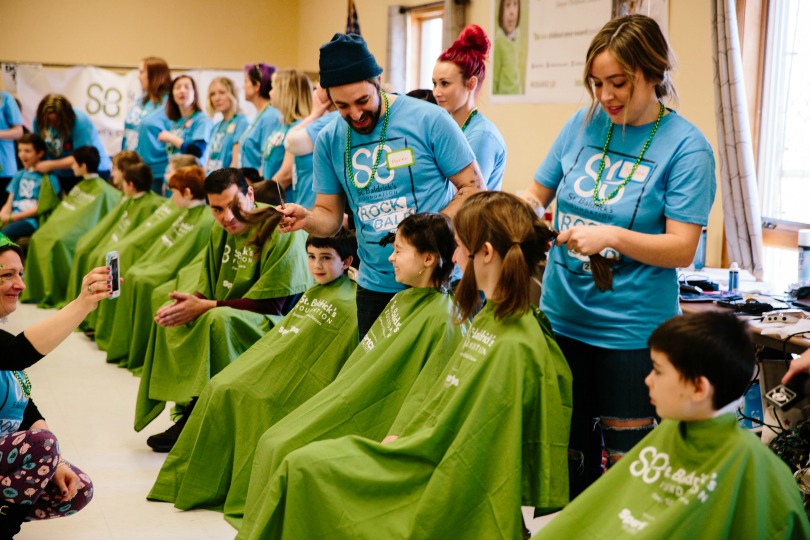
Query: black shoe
x=164, y=442
x=11, y=519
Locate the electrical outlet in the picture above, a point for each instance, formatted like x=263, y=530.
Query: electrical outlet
x=788, y=316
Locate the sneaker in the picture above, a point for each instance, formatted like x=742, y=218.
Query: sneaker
x=164, y=442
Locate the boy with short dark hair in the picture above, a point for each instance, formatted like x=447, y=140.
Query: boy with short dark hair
x=699, y=474
x=86, y=160
x=18, y=217
x=137, y=179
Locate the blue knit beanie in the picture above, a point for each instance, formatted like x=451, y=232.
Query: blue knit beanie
x=345, y=60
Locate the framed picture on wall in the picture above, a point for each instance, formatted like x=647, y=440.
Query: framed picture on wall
x=656, y=9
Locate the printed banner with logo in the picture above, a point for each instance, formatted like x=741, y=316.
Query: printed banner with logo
x=104, y=95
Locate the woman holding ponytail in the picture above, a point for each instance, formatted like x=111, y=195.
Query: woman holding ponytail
x=634, y=183
x=468, y=448
x=457, y=80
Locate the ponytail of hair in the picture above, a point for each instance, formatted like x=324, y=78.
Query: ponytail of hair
x=469, y=52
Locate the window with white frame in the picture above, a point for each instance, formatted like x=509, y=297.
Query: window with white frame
x=425, y=46
x=784, y=168
x=414, y=44
x=784, y=145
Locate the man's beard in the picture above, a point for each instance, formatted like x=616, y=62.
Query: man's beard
x=373, y=119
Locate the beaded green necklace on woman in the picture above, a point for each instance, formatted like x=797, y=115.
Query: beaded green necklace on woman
x=599, y=202
x=25, y=382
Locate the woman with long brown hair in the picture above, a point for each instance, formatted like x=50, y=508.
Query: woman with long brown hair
x=147, y=116
x=65, y=128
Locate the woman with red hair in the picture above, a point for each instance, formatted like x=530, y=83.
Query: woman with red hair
x=457, y=79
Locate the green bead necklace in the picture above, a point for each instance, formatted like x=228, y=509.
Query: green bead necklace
x=469, y=119
x=599, y=202
x=25, y=382
x=383, y=139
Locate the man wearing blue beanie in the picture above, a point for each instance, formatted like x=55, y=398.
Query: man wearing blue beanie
x=392, y=157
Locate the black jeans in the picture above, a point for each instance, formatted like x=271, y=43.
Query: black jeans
x=608, y=386
x=369, y=306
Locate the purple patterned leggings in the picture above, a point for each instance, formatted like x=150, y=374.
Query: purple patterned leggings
x=28, y=460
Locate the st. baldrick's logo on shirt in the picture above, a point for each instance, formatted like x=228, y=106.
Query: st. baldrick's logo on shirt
x=240, y=258
x=653, y=467
x=385, y=214
x=615, y=172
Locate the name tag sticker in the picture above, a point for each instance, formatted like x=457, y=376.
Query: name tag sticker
x=399, y=159
x=231, y=128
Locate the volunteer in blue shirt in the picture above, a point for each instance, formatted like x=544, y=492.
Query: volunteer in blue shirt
x=147, y=117
x=65, y=128
x=222, y=99
x=393, y=156
x=11, y=129
x=300, y=142
x=258, y=82
x=190, y=129
x=634, y=182
x=457, y=79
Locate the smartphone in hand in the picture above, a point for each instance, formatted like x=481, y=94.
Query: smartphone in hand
x=113, y=262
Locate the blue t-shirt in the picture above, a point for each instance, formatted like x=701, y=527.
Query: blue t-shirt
x=226, y=134
x=24, y=192
x=489, y=148
x=9, y=117
x=675, y=180
x=273, y=150
x=84, y=133
x=151, y=150
x=254, y=137
x=12, y=403
x=418, y=184
x=301, y=192
x=192, y=129
x=132, y=123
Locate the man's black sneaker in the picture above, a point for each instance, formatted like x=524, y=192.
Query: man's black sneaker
x=164, y=442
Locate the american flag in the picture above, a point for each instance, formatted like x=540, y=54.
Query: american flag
x=352, y=22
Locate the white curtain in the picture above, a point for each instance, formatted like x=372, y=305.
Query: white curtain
x=742, y=218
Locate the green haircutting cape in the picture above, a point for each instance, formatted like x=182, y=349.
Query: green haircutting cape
x=490, y=435
x=180, y=360
x=51, y=249
x=291, y=363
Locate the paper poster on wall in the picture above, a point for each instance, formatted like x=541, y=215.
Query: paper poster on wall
x=655, y=9
x=539, y=48
x=104, y=95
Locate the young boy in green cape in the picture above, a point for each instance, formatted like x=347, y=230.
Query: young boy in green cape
x=485, y=436
x=699, y=474
x=173, y=243
x=135, y=207
x=246, y=286
x=292, y=362
x=51, y=249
